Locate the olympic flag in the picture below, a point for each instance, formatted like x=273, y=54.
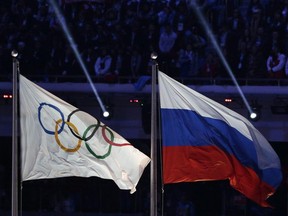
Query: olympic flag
x=59, y=140
x=203, y=140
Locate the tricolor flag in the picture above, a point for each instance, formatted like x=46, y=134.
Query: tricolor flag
x=59, y=140
x=203, y=140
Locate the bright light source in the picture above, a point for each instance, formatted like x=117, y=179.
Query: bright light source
x=106, y=114
x=228, y=100
x=7, y=96
x=253, y=115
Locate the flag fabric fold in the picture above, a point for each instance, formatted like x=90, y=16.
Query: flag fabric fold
x=59, y=140
x=204, y=140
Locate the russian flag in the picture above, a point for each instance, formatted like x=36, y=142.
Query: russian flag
x=203, y=140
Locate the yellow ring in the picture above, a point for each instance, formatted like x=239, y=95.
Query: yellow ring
x=58, y=141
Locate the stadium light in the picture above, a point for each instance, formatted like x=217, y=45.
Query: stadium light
x=255, y=113
x=107, y=113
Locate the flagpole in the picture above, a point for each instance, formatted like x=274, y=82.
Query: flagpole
x=153, y=181
x=14, y=200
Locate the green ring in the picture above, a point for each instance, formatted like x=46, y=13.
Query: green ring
x=90, y=150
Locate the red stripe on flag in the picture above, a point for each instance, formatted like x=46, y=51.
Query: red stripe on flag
x=191, y=164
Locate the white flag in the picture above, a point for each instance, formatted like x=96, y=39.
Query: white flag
x=59, y=140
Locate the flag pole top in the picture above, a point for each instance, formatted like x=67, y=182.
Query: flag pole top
x=14, y=53
x=154, y=55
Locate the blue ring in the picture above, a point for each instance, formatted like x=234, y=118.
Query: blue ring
x=57, y=109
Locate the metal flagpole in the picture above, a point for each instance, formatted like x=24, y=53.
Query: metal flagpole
x=14, y=200
x=153, y=181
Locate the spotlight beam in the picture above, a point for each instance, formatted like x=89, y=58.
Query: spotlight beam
x=219, y=52
x=73, y=45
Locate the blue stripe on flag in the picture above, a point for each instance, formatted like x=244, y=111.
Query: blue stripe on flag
x=187, y=128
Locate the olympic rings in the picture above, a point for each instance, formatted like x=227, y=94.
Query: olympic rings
x=75, y=132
